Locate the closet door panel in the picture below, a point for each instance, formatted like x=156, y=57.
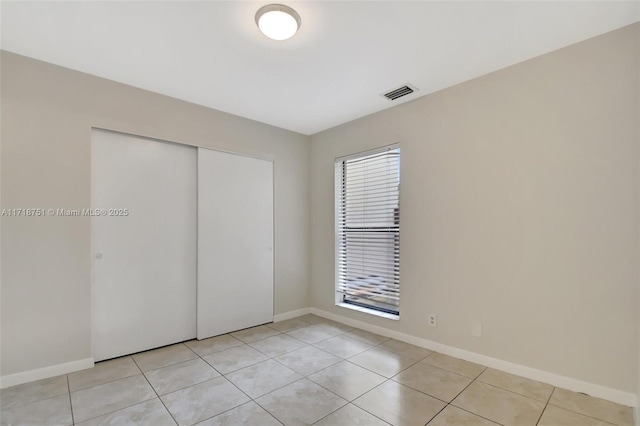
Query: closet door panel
x=235, y=242
x=144, y=261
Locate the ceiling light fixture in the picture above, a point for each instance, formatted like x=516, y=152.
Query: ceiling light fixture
x=277, y=21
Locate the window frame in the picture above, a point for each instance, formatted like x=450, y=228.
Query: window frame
x=339, y=164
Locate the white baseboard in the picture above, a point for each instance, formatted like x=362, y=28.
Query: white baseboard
x=598, y=391
x=291, y=314
x=45, y=372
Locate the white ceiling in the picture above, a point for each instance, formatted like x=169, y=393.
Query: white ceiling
x=344, y=56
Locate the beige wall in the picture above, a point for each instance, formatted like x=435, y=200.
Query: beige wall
x=47, y=115
x=519, y=209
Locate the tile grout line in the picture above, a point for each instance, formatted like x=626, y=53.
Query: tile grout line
x=324, y=417
x=359, y=396
x=586, y=415
x=512, y=391
x=388, y=378
x=465, y=388
x=250, y=398
x=224, y=377
x=301, y=378
x=516, y=393
x=437, y=414
x=391, y=380
x=542, y=413
x=115, y=411
x=270, y=356
x=154, y=390
x=37, y=400
x=233, y=408
x=329, y=390
x=475, y=414
x=278, y=388
x=233, y=371
x=349, y=402
x=546, y=404
x=332, y=392
x=428, y=394
x=132, y=356
x=374, y=415
x=105, y=383
x=551, y=394
x=73, y=421
x=306, y=376
x=267, y=411
x=502, y=389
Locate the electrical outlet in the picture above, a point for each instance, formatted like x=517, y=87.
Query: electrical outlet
x=476, y=329
x=433, y=320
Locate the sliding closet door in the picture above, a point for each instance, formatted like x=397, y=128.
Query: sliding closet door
x=144, y=259
x=235, y=242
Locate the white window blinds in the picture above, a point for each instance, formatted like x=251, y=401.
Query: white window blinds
x=368, y=230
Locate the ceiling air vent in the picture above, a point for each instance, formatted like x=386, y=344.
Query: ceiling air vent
x=405, y=90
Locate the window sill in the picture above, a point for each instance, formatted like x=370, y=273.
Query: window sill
x=369, y=311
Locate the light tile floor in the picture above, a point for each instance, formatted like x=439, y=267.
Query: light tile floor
x=303, y=371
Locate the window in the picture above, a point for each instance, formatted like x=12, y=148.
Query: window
x=368, y=230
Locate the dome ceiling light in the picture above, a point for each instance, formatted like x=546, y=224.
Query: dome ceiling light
x=277, y=21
